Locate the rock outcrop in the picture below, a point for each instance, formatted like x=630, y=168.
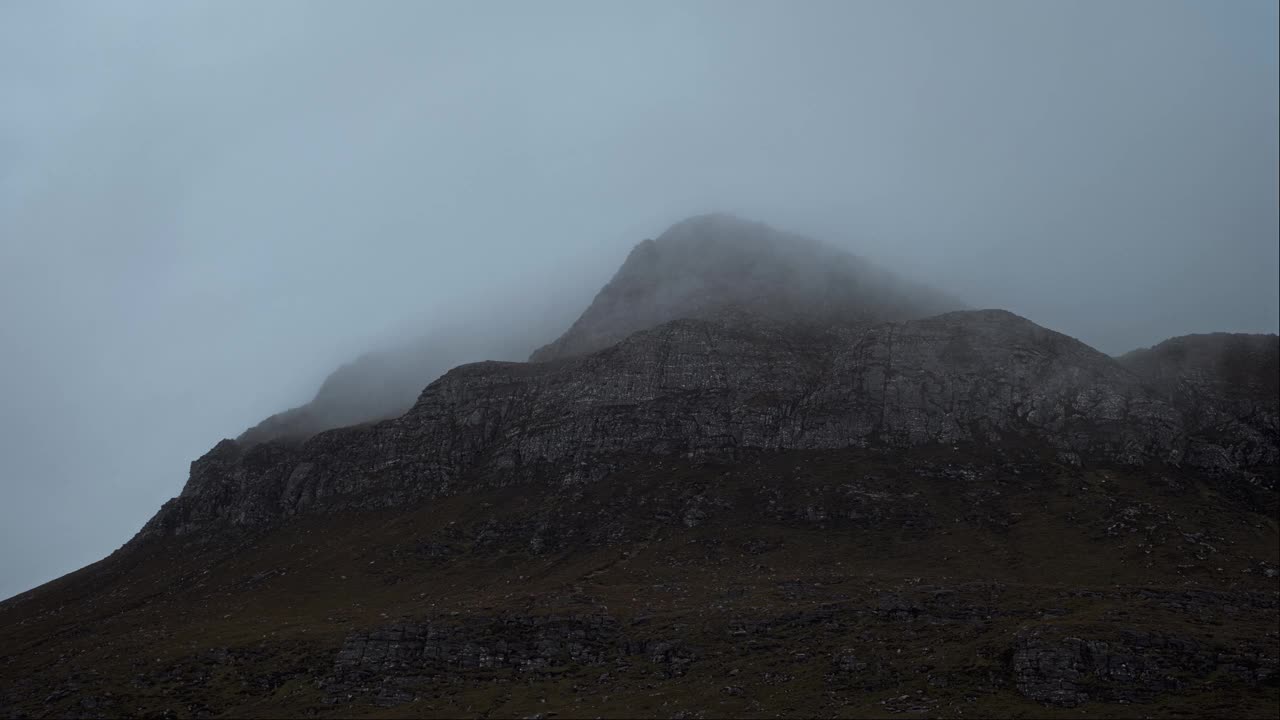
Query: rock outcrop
x=387, y=665
x=1053, y=666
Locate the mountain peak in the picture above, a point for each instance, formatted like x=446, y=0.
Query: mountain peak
x=708, y=226
x=706, y=263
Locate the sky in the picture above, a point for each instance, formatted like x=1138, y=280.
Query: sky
x=207, y=207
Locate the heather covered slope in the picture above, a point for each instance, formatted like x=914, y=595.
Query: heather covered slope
x=965, y=581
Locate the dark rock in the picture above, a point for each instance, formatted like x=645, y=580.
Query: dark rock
x=387, y=663
x=1226, y=386
x=1054, y=667
x=672, y=391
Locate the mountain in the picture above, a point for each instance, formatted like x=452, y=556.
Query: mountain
x=756, y=477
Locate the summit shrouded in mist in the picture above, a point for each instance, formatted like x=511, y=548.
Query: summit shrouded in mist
x=714, y=262
x=698, y=267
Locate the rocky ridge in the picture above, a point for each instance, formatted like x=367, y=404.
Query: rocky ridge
x=714, y=388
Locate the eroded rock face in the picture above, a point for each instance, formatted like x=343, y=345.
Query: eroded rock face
x=713, y=388
x=708, y=263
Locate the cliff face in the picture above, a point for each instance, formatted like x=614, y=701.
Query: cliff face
x=712, y=388
x=705, y=264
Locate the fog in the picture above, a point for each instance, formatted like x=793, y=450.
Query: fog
x=205, y=208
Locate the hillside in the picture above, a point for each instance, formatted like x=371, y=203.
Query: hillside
x=722, y=492
x=961, y=582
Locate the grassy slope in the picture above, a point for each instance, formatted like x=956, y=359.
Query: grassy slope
x=693, y=553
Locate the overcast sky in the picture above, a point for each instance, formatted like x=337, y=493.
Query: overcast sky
x=205, y=208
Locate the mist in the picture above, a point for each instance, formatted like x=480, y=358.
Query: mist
x=206, y=208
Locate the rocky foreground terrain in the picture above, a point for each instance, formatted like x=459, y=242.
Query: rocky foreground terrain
x=723, y=492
